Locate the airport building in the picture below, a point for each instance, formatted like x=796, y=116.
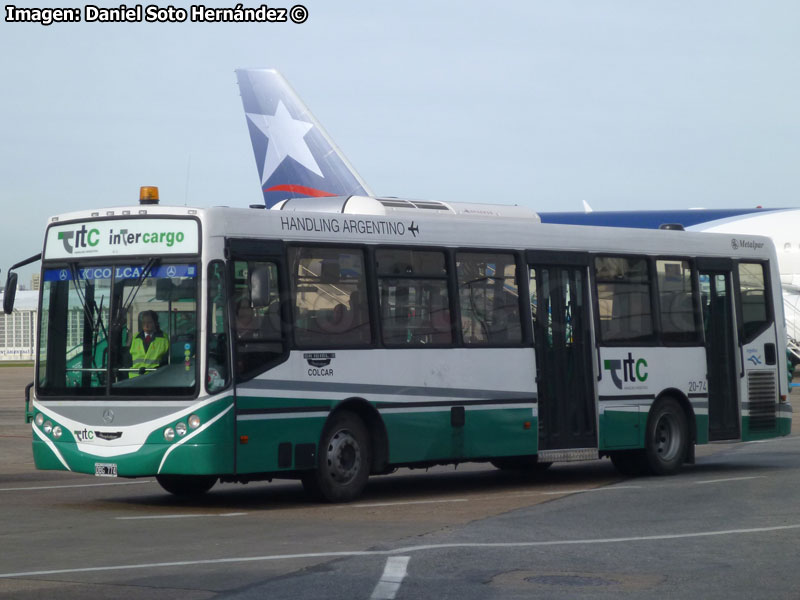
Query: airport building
x=18, y=330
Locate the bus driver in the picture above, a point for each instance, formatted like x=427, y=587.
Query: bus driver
x=149, y=348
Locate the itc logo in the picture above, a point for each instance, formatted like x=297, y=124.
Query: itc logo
x=83, y=238
x=632, y=370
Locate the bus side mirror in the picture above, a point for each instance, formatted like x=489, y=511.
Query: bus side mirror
x=259, y=286
x=10, y=293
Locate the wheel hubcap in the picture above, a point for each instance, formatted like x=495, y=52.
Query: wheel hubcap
x=343, y=456
x=667, y=439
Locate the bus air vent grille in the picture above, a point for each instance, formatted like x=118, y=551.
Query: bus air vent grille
x=762, y=391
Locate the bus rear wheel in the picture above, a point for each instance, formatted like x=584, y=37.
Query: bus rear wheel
x=667, y=438
x=343, y=460
x=186, y=485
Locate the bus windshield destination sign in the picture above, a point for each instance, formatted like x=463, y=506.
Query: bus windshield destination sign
x=122, y=237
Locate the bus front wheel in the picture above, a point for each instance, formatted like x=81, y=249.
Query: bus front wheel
x=186, y=485
x=667, y=438
x=343, y=460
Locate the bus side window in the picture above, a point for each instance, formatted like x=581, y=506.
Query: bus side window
x=489, y=298
x=257, y=325
x=414, y=302
x=753, y=296
x=623, y=295
x=680, y=322
x=218, y=370
x=328, y=285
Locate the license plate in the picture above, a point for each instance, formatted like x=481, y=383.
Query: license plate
x=105, y=470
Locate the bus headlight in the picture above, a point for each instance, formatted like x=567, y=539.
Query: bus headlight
x=194, y=421
x=180, y=429
x=57, y=431
x=48, y=427
x=39, y=419
x=169, y=434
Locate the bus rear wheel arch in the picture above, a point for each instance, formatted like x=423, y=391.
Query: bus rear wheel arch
x=343, y=460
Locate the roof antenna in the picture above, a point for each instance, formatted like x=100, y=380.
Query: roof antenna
x=186, y=186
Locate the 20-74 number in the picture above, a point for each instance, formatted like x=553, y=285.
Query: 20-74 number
x=700, y=385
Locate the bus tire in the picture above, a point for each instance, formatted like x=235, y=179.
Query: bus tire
x=186, y=485
x=667, y=437
x=343, y=461
x=630, y=463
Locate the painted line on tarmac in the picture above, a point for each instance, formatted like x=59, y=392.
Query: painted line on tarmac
x=186, y=516
x=520, y=494
x=729, y=479
x=393, y=574
x=379, y=504
x=82, y=485
x=587, y=490
x=785, y=438
x=406, y=550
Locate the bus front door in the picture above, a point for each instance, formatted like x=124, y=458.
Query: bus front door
x=563, y=344
x=721, y=347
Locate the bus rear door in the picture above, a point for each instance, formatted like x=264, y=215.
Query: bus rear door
x=561, y=316
x=719, y=323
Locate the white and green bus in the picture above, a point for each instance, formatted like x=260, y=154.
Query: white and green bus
x=369, y=334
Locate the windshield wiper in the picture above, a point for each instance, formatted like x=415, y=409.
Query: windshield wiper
x=138, y=285
x=87, y=312
x=98, y=327
x=95, y=319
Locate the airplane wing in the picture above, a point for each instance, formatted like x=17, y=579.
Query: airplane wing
x=699, y=219
x=295, y=156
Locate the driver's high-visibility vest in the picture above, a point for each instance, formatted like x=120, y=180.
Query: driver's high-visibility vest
x=152, y=357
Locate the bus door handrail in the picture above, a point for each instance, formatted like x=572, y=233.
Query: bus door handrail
x=28, y=411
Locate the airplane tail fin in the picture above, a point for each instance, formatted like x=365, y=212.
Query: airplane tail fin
x=295, y=156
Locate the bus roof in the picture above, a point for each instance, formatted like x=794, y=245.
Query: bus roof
x=423, y=226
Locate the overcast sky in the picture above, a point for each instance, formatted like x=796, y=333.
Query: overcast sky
x=638, y=104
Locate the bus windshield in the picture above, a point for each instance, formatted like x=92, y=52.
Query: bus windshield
x=124, y=329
